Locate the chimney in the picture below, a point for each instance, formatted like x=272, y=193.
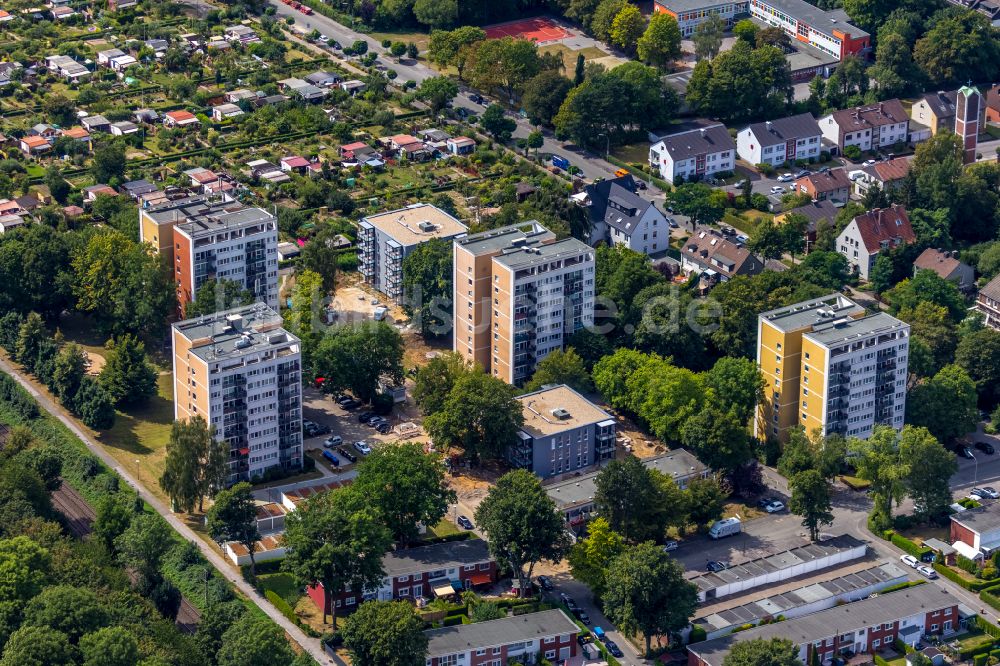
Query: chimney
x=769, y=125
x=881, y=106
x=703, y=131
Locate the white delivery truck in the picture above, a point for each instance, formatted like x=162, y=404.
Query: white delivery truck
x=725, y=527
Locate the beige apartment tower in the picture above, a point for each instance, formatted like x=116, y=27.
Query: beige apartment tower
x=831, y=368
x=519, y=294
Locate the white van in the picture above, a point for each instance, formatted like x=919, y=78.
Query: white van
x=726, y=527
x=380, y=312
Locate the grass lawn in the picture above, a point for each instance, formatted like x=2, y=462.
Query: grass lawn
x=34, y=171
x=632, y=152
x=421, y=39
x=569, y=55
x=283, y=585
x=974, y=639
x=443, y=529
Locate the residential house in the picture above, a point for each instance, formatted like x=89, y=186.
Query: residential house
x=408, y=147
x=513, y=639
x=266, y=171
x=124, y=128
x=44, y=130
x=158, y=47
x=460, y=145
x=138, y=188
x=115, y=59
x=717, y=259
x=988, y=8
x=27, y=204
x=832, y=185
x=78, y=134
x=562, y=432
x=304, y=90
x=146, y=116
x=356, y=151
x=872, y=232
x=438, y=570
x=206, y=181
x=67, y=68
x=323, y=79
x=6, y=16
x=948, y=266
x=935, y=110
x=288, y=251
x=96, y=123
x=594, y=196
x=694, y=153
x=237, y=96
x=885, y=175
x=864, y=627
x=91, y=192
x=7, y=70
x=225, y=112
x=179, y=119
x=632, y=221
x=33, y=145
x=241, y=34
x=270, y=100
x=988, y=303
x=294, y=163
x=11, y=222
x=784, y=140
x=218, y=43
x=880, y=125
x=992, y=104
x=574, y=497
x=817, y=212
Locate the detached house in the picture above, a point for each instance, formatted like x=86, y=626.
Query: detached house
x=988, y=303
x=241, y=34
x=179, y=119
x=779, y=141
x=693, y=154
x=868, y=234
x=33, y=145
x=632, y=221
x=717, y=259
x=936, y=110
x=868, y=127
x=438, y=570
x=884, y=175
x=948, y=266
x=832, y=185
x=225, y=112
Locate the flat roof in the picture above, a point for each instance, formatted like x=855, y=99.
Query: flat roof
x=678, y=463
x=540, y=409
x=777, y=604
x=823, y=21
x=249, y=329
x=524, y=257
x=807, y=313
x=845, y=330
x=981, y=519
x=206, y=214
x=507, y=630
x=403, y=225
x=495, y=240
x=447, y=555
x=840, y=619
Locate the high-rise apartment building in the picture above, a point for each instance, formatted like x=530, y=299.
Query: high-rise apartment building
x=384, y=240
x=830, y=367
x=519, y=294
x=215, y=237
x=241, y=371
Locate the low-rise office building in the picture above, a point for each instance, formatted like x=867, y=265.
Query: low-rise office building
x=975, y=533
x=562, y=432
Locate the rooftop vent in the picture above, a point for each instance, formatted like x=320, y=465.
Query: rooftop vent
x=244, y=342
x=518, y=242
x=561, y=414
x=426, y=226
x=234, y=322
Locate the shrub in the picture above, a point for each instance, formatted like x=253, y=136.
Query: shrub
x=852, y=152
x=879, y=661
x=281, y=605
x=908, y=546
x=901, y=586
x=698, y=634
x=980, y=660
x=955, y=577
x=968, y=565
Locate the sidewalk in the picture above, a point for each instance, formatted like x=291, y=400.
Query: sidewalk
x=310, y=645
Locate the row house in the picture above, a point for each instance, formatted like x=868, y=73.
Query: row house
x=694, y=153
x=438, y=570
x=872, y=127
x=515, y=639
x=862, y=627
x=775, y=142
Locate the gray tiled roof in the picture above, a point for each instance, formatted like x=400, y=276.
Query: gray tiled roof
x=624, y=209
x=779, y=131
x=436, y=556
x=711, y=139
x=504, y=631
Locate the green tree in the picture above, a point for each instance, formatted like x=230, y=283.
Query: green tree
x=484, y=611
x=877, y=461
x=737, y=386
x=110, y=646
x=646, y=592
x=480, y=415
x=719, y=439
x=660, y=44
x=825, y=269
x=406, y=486
x=57, y=185
x=70, y=368
x=215, y=296
x=811, y=500
x=741, y=83
x=337, y=540
x=978, y=353
x=427, y=286
x=590, y=557
x=94, y=405
x=437, y=91
x=504, y=65
x=233, y=517
x=357, y=357
x=746, y=30
x=385, y=633
x=109, y=163
x=521, y=524
x=604, y=16
x=254, y=641
x=38, y=646
x=497, y=123
x=320, y=256
x=435, y=380
x=706, y=500
x=630, y=498
x=534, y=141
x=113, y=518
x=70, y=610
x=763, y=652
x=958, y=47
x=927, y=480
x=945, y=404
x=932, y=325
x=30, y=336
x=627, y=27
x=707, y=37
x=543, y=95
x=579, y=73
x=454, y=47
x=128, y=376
x=894, y=71
x=927, y=286
x=187, y=451
x=699, y=202
x=561, y=367
x=935, y=170
x=143, y=545
x=24, y=569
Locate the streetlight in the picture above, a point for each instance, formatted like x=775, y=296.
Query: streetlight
x=975, y=469
x=138, y=472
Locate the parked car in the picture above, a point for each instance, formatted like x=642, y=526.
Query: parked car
x=985, y=493
x=669, y=546
x=465, y=523
x=785, y=178
x=569, y=601
x=725, y=527
x=927, y=571
x=322, y=428
x=477, y=98
x=383, y=428
x=330, y=442
x=344, y=451
x=363, y=447
x=613, y=648
x=375, y=420
x=332, y=458
x=545, y=583
x=803, y=174
x=966, y=453
x=351, y=405
x=581, y=615
x=584, y=639
x=777, y=189
x=343, y=399
x=868, y=163
x=986, y=448
x=909, y=561
x=775, y=507
x=716, y=566
x=765, y=500
x=310, y=429
x=364, y=416
x=673, y=223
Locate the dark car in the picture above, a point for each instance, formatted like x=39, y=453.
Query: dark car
x=569, y=601
x=351, y=405
x=716, y=566
x=342, y=450
x=803, y=174
x=581, y=615
x=375, y=420
x=985, y=447
x=966, y=452
x=343, y=399
x=364, y=416
x=383, y=428
x=464, y=523
x=545, y=583
x=613, y=648
x=583, y=639
x=764, y=501
x=477, y=98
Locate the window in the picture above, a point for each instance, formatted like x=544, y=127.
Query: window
x=403, y=579
x=496, y=650
x=480, y=653
x=934, y=627
x=550, y=654
x=550, y=639
x=876, y=642
x=404, y=591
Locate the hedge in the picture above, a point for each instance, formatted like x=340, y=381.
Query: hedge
x=990, y=598
x=988, y=627
x=879, y=661
x=955, y=577
x=910, y=547
x=980, y=660
x=901, y=586
x=281, y=605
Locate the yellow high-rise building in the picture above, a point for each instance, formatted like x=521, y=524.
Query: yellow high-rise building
x=831, y=368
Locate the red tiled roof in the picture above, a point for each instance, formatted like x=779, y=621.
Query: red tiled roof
x=942, y=263
x=884, y=224
x=835, y=179
x=34, y=141
x=178, y=116
x=295, y=161
x=993, y=97
x=893, y=169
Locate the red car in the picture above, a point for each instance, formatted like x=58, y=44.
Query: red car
x=307, y=10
